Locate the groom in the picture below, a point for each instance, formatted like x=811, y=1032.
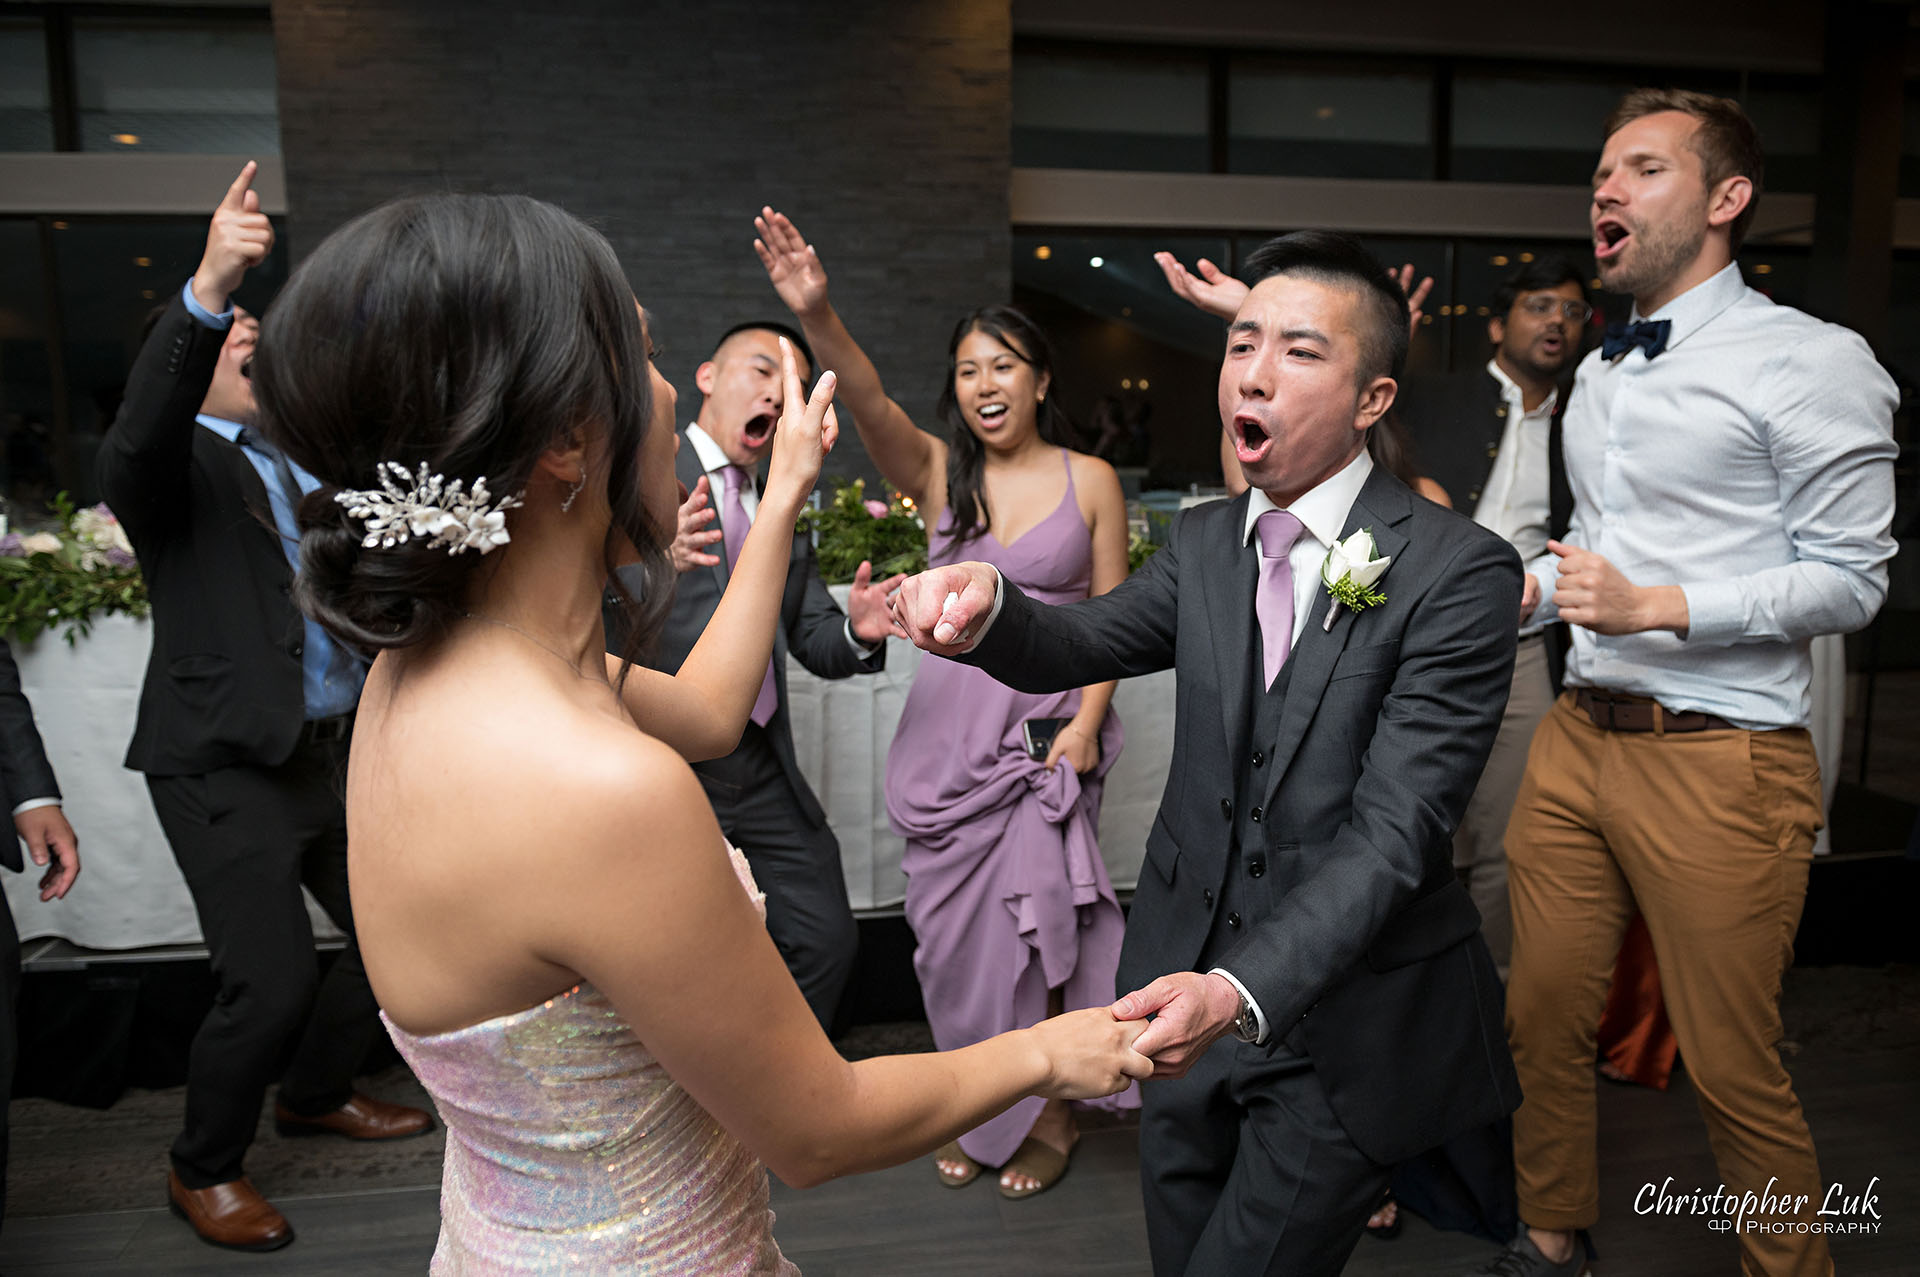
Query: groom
x=1298, y=880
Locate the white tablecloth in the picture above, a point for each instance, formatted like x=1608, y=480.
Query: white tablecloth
x=130, y=893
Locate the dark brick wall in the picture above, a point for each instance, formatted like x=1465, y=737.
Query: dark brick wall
x=881, y=126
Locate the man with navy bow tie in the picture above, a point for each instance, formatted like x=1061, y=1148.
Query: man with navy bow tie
x=242, y=732
x=1731, y=463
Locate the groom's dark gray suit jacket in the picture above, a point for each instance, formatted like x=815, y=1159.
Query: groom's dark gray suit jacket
x=1330, y=892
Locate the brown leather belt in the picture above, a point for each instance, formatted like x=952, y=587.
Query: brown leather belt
x=1619, y=712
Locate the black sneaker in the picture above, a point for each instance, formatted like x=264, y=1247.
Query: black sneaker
x=1523, y=1259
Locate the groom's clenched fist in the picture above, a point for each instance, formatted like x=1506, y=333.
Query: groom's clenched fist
x=944, y=610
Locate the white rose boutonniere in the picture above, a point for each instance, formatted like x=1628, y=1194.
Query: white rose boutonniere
x=1349, y=574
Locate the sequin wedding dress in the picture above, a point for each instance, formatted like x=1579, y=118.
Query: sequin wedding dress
x=569, y=1149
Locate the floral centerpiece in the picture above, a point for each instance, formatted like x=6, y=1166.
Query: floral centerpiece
x=852, y=527
x=65, y=578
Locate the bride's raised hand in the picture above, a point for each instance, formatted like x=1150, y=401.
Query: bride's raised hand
x=1089, y=1054
x=805, y=435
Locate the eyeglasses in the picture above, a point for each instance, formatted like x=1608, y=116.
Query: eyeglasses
x=1540, y=305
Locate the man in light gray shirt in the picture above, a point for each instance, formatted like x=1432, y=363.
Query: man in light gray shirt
x=1732, y=470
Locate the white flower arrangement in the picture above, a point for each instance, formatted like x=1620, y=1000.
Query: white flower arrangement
x=1349, y=574
x=431, y=509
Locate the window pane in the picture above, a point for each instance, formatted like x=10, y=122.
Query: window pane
x=1314, y=123
x=167, y=86
x=26, y=379
x=1109, y=112
x=1788, y=119
x=26, y=116
x=1534, y=129
x=110, y=275
x=1136, y=367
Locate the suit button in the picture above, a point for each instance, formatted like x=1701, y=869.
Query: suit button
x=1474, y=495
x=1255, y=813
x=1493, y=450
x=1501, y=411
x=1206, y=894
x=1233, y=920
x=1258, y=758
x=1226, y=808
x=297, y=649
x=1256, y=867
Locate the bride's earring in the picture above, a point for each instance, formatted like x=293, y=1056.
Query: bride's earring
x=573, y=492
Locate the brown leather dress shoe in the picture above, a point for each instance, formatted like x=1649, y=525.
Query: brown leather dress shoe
x=360, y=1118
x=232, y=1214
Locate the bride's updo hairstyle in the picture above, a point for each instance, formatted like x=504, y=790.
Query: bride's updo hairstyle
x=464, y=335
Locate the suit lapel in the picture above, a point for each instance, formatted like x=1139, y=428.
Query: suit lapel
x=686, y=465
x=1383, y=502
x=1228, y=580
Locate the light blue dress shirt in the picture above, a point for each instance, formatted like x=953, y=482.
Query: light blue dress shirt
x=331, y=675
x=1751, y=464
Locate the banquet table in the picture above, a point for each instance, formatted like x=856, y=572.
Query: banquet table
x=130, y=894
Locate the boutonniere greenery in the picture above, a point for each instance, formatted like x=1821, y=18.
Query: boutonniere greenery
x=1349, y=575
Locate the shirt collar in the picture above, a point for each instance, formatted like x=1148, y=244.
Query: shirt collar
x=1511, y=392
x=1700, y=305
x=1322, y=510
x=712, y=460
x=228, y=430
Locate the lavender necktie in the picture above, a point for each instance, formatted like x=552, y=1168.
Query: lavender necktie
x=1273, y=597
x=734, y=525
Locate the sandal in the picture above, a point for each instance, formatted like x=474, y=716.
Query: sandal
x=1388, y=1231
x=951, y=1152
x=1038, y=1161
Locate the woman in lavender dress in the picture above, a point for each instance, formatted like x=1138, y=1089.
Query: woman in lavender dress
x=1006, y=891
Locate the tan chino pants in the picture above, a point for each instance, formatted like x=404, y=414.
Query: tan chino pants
x=1711, y=833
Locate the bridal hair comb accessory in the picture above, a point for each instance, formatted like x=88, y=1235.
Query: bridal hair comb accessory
x=431, y=509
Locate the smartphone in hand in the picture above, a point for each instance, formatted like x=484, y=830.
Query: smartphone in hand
x=1038, y=733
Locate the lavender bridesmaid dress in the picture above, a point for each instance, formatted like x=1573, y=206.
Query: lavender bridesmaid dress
x=1006, y=891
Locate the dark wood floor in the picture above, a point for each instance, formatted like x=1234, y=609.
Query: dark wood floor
x=1855, y=1056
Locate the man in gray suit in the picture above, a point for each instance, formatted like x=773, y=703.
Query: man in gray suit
x=764, y=804
x=1298, y=883
x=28, y=790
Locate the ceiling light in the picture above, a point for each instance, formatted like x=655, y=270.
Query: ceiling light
x=1762, y=268
x=1324, y=113
x=1499, y=259
x=1526, y=257
x=1096, y=262
x=1126, y=383
x=1042, y=252
x=143, y=261
x=1143, y=383
x=127, y=139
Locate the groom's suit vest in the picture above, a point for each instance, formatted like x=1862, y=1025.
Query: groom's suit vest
x=1246, y=892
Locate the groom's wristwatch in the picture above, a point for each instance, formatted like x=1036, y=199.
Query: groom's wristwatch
x=1246, y=1025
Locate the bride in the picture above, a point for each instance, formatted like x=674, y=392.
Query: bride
x=564, y=947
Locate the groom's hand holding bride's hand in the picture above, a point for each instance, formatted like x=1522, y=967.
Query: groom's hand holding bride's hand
x=802, y=440
x=1191, y=1012
x=1088, y=1054
x=942, y=609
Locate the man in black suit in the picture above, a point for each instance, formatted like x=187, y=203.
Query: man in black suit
x=764, y=804
x=1297, y=882
x=242, y=732
x=28, y=790
x=1491, y=437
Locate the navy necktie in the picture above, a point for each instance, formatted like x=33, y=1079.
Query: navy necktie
x=290, y=491
x=1649, y=334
